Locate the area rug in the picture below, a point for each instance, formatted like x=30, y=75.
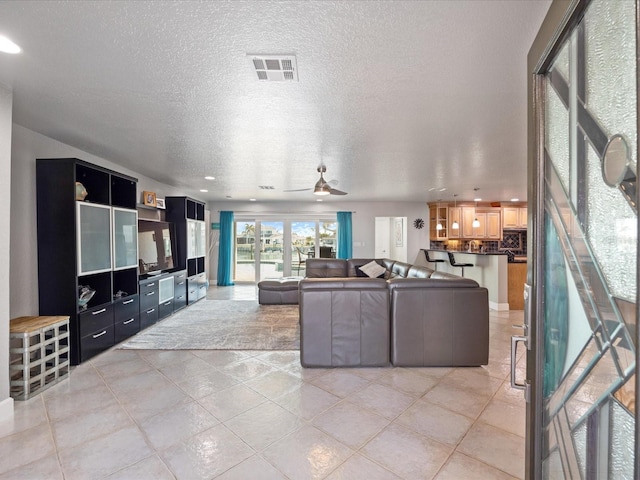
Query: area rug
x=224, y=325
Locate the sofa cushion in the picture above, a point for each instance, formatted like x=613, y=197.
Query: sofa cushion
x=372, y=270
x=326, y=268
x=418, y=271
x=399, y=269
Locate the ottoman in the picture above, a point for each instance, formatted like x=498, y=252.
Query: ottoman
x=278, y=291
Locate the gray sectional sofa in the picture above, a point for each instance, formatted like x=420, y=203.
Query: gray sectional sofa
x=413, y=316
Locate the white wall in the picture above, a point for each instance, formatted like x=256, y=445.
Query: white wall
x=363, y=221
x=28, y=145
x=6, y=106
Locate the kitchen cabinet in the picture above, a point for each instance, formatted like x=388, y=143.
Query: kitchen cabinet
x=438, y=215
x=494, y=228
x=514, y=218
x=490, y=227
x=455, y=215
x=468, y=216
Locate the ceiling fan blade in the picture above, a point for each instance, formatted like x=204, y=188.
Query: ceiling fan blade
x=333, y=191
x=299, y=190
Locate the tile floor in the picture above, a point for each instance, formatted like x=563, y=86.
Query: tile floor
x=131, y=414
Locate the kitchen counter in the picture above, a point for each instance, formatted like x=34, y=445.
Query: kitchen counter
x=466, y=252
x=489, y=270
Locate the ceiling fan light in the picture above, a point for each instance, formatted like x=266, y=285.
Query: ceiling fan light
x=321, y=190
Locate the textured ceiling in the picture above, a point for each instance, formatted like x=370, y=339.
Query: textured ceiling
x=395, y=98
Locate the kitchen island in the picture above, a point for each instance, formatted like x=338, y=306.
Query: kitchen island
x=490, y=270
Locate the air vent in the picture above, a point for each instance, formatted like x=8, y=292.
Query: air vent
x=274, y=68
x=266, y=187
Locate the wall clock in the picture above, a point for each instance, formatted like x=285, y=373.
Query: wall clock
x=418, y=223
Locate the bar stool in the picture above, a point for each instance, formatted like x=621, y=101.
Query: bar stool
x=453, y=263
x=432, y=260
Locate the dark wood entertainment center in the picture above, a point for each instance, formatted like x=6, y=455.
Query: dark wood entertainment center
x=92, y=241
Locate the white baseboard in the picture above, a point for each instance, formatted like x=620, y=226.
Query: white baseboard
x=500, y=307
x=6, y=409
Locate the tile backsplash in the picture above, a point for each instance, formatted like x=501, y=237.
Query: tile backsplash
x=514, y=240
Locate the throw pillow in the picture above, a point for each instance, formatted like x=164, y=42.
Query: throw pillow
x=373, y=269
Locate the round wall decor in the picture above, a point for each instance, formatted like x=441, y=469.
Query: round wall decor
x=418, y=223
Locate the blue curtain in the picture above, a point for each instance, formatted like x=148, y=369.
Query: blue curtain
x=345, y=241
x=225, y=249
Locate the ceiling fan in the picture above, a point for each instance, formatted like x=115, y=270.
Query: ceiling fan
x=322, y=187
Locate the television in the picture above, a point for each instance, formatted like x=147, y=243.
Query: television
x=156, y=242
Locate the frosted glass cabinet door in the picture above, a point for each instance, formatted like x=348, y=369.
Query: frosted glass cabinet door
x=94, y=238
x=125, y=238
x=201, y=239
x=191, y=239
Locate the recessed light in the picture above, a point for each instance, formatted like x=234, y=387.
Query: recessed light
x=7, y=46
x=477, y=199
x=252, y=199
x=319, y=200
x=442, y=189
x=204, y=190
x=209, y=177
x=515, y=199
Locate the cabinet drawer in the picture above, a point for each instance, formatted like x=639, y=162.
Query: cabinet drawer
x=126, y=308
x=165, y=309
x=148, y=317
x=148, y=287
x=180, y=284
x=96, y=342
x=127, y=327
x=149, y=299
x=202, y=291
x=180, y=301
x=96, y=319
x=192, y=289
x=180, y=277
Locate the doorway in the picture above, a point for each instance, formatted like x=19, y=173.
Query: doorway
x=278, y=247
x=391, y=238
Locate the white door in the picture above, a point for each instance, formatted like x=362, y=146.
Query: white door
x=383, y=237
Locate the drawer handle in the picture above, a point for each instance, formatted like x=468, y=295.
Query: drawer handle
x=128, y=321
x=181, y=296
x=127, y=302
x=151, y=310
x=151, y=293
x=151, y=284
x=168, y=303
x=104, y=332
x=181, y=283
x=98, y=312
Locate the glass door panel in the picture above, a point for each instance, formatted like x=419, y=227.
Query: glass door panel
x=201, y=239
x=94, y=238
x=328, y=239
x=271, y=249
x=303, y=246
x=192, y=239
x=587, y=313
x=245, y=243
x=125, y=238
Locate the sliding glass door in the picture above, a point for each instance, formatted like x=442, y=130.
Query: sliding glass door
x=245, y=251
x=273, y=248
x=303, y=245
